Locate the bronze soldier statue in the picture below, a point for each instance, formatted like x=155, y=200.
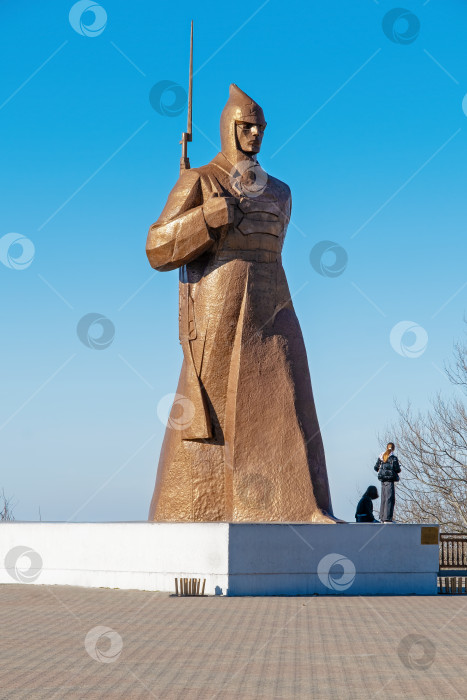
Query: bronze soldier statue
x=242, y=441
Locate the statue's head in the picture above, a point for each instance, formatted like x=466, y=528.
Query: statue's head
x=242, y=126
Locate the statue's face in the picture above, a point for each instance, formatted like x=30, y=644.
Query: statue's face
x=250, y=136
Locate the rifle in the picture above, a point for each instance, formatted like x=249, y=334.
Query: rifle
x=187, y=135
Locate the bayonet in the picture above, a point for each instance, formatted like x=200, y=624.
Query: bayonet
x=187, y=135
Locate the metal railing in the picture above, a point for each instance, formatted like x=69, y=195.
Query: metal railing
x=452, y=563
x=451, y=585
x=453, y=551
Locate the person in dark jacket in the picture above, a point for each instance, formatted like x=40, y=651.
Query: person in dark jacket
x=388, y=469
x=364, y=512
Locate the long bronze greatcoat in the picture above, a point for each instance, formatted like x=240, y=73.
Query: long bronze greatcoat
x=243, y=441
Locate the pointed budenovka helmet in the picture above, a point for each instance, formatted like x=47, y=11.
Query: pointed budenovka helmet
x=239, y=108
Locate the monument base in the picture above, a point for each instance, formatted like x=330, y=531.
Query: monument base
x=236, y=559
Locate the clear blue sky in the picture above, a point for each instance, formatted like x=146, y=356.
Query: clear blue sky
x=377, y=167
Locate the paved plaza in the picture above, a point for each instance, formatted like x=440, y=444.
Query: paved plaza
x=60, y=642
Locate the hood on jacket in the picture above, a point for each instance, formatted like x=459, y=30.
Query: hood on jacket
x=371, y=492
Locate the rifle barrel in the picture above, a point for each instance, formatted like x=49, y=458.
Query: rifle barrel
x=190, y=86
x=187, y=135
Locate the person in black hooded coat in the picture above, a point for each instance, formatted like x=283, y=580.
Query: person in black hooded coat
x=388, y=469
x=364, y=512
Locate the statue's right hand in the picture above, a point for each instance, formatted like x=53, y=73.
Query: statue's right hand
x=218, y=211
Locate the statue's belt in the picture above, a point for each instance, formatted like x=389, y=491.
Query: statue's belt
x=260, y=256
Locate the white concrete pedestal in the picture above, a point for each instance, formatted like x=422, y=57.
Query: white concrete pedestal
x=234, y=558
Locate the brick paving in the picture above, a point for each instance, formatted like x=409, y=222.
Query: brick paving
x=228, y=648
